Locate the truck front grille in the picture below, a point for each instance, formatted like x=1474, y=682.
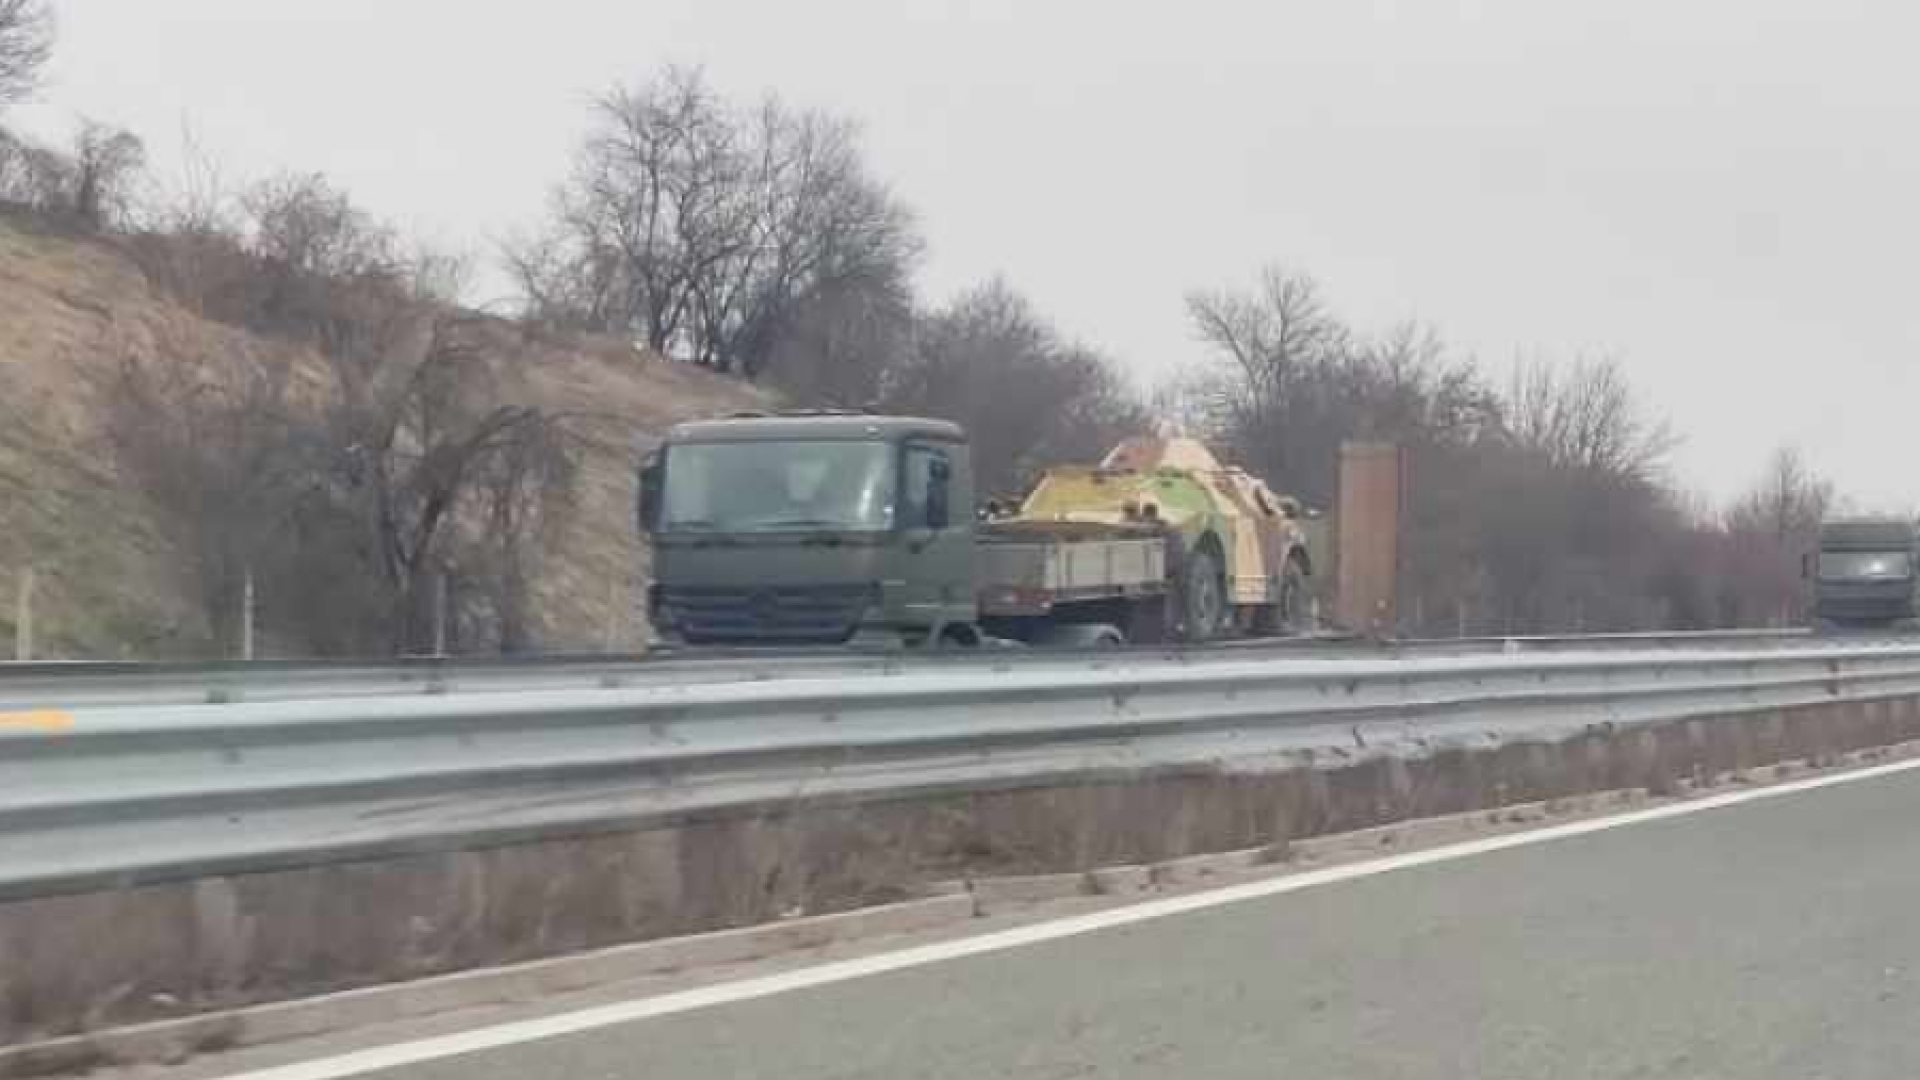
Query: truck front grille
x=787, y=613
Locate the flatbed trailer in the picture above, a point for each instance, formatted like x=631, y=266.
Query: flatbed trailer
x=1048, y=589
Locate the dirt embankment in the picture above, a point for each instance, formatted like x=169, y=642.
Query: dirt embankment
x=109, y=583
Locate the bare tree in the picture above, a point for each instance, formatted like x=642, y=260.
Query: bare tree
x=655, y=203
x=418, y=417
x=1788, y=502
x=26, y=43
x=522, y=491
x=822, y=227
x=1542, y=510
x=1272, y=346
x=1767, y=532
x=1289, y=382
x=32, y=176
x=305, y=224
x=1030, y=399
x=1269, y=334
x=91, y=186
x=414, y=455
x=106, y=161
x=188, y=236
x=707, y=232
x=217, y=447
x=561, y=286
x=844, y=341
x=274, y=256
x=1585, y=415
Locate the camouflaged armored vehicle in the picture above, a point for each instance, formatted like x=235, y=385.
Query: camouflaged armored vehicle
x=837, y=528
x=1227, y=553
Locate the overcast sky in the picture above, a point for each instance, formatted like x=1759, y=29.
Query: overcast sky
x=1726, y=194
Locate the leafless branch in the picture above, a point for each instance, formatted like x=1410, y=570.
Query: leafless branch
x=26, y=44
x=708, y=232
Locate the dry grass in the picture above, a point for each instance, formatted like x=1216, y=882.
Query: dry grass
x=69, y=311
x=73, y=310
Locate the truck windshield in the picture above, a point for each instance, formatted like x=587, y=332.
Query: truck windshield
x=751, y=487
x=1864, y=565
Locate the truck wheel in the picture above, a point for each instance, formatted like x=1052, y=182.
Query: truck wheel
x=957, y=636
x=1203, y=598
x=1080, y=636
x=1294, y=600
x=1288, y=613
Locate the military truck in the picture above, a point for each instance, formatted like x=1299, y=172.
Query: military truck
x=1864, y=573
x=827, y=528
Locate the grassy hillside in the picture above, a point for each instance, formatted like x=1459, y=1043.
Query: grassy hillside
x=74, y=310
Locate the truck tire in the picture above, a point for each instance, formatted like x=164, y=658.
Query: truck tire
x=1203, y=597
x=1079, y=636
x=1296, y=602
x=1287, y=615
x=957, y=636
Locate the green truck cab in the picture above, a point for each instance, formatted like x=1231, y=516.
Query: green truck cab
x=836, y=528
x=811, y=529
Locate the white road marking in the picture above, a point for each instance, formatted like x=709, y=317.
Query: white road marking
x=361, y=1062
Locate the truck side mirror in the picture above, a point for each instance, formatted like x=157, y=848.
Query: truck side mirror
x=939, y=493
x=651, y=475
x=1806, y=566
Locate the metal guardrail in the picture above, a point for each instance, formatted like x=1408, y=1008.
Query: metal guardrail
x=102, y=684
x=102, y=797
x=1662, y=639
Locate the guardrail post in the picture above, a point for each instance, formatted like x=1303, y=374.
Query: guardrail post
x=23, y=617
x=440, y=614
x=246, y=617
